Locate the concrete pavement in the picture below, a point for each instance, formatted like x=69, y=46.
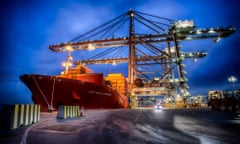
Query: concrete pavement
x=133, y=126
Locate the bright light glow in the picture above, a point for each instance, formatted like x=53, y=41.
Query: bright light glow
x=217, y=39
x=114, y=63
x=211, y=30
x=158, y=108
x=182, y=90
x=190, y=54
x=199, y=31
x=156, y=78
x=188, y=38
x=69, y=48
x=183, y=65
x=172, y=50
x=186, y=93
x=195, y=59
x=63, y=64
x=184, y=24
x=90, y=47
x=232, y=79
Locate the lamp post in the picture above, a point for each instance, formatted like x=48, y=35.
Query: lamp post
x=232, y=79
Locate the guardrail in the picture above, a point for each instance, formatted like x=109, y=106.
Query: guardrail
x=18, y=115
x=69, y=111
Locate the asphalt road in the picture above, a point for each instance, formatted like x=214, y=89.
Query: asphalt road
x=136, y=126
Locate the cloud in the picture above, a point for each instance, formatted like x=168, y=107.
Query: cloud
x=77, y=18
x=168, y=9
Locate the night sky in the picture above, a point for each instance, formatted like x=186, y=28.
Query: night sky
x=29, y=27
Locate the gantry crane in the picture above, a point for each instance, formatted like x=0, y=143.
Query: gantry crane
x=153, y=47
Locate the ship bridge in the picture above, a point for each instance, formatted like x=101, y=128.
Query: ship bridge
x=150, y=45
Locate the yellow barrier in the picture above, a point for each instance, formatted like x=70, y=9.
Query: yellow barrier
x=14, y=119
x=26, y=115
x=68, y=111
x=78, y=111
x=36, y=113
x=21, y=115
x=31, y=115
x=71, y=112
x=15, y=116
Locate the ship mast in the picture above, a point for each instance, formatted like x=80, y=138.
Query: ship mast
x=132, y=50
x=68, y=62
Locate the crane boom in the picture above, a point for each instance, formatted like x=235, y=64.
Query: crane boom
x=147, y=38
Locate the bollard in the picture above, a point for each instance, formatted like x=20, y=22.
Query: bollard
x=67, y=111
x=75, y=111
x=26, y=115
x=38, y=115
x=14, y=117
x=21, y=115
x=64, y=112
x=35, y=113
x=31, y=114
x=71, y=111
x=78, y=111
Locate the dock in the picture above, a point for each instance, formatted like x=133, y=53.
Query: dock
x=131, y=126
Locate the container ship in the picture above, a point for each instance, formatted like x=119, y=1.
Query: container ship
x=77, y=86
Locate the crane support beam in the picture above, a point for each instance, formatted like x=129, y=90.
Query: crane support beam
x=183, y=55
x=196, y=34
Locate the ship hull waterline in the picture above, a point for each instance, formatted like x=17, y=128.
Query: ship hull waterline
x=52, y=91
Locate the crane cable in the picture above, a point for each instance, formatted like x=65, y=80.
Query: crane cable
x=103, y=53
x=170, y=20
x=82, y=36
x=44, y=97
x=53, y=88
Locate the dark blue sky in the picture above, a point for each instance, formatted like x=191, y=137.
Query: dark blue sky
x=29, y=27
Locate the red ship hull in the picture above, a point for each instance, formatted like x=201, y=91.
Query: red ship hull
x=52, y=91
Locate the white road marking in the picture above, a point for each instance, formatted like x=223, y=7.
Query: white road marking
x=24, y=138
x=139, y=113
